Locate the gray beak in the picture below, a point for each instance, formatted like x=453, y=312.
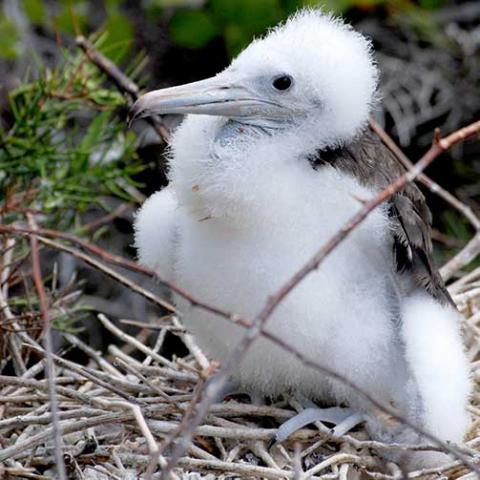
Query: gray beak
x=221, y=95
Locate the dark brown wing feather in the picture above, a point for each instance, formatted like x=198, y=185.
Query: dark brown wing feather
x=369, y=160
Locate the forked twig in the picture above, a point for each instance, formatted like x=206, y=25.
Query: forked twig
x=433, y=186
x=469, y=251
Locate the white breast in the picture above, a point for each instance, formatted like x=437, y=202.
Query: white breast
x=342, y=315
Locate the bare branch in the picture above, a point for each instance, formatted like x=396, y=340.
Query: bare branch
x=122, y=82
x=469, y=251
x=434, y=187
x=111, y=273
x=48, y=343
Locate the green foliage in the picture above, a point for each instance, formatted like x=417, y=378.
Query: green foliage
x=193, y=24
x=65, y=150
x=342, y=6
x=66, y=144
x=431, y=4
x=244, y=19
x=192, y=28
x=237, y=21
x=119, y=36
x=35, y=11
x=71, y=17
x=8, y=39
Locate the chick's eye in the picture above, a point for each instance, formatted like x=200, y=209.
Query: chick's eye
x=283, y=82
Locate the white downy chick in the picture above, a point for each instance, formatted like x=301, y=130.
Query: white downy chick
x=269, y=163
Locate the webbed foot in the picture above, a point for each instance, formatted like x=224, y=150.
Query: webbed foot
x=344, y=420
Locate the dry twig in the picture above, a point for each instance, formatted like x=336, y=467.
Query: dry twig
x=48, y=342
x=123, y=83
x=469, y=251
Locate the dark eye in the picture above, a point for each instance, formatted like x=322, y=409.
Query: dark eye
x=283, y=82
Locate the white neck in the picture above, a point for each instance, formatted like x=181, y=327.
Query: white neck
x=239, y=176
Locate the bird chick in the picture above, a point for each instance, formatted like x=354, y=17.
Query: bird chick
x=271, y=160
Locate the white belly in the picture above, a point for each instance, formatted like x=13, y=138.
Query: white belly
x=342, y=316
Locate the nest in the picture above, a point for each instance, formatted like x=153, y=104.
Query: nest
x=118, y=411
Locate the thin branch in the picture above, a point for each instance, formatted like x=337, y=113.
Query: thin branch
x=48, y=344
x=469, y=251
x=68, y=427
x=111, y=273
x=96, y=356
x=434, y=187
x=121, y=81
x=153, y=448
x=133, y=341
x=119, y=261
x=98, y=222
x=84, y=372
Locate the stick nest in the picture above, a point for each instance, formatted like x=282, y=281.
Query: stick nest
x=118, y=409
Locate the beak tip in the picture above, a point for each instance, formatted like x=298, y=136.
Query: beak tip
x=133, y=114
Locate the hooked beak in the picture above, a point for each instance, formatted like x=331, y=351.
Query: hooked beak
x=220, y=95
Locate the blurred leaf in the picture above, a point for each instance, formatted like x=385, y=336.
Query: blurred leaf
x=432, y=4
x=95, y=130
x=112, y=3
x=9, y=38
x=289, y=6
x=192, y=28
x=35, y=10
x=119, y=36
x=177, y=3
x=252, y=15
x=424, y=25
x=72, y=14
x=236, y=38
x=74, y=3
x=106, y=97
x=341, y=6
